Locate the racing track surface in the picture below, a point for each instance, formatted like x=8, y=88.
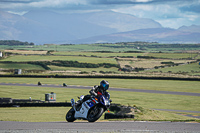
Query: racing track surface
x=116, y=89
x=120, y=126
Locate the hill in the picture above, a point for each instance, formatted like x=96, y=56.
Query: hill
x=43, y=26
x=50, y=27
x=162, y=35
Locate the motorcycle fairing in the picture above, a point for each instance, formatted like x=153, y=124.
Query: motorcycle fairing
x=103, y=100
x=85, y=107
x=92, y=102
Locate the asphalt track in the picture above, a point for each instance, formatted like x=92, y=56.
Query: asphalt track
x=117, y=126
x=116, y=89
x=111, y=126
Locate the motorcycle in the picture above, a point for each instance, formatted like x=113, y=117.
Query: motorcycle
x=90, y=110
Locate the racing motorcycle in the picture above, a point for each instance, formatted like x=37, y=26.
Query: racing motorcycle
x=90, y=110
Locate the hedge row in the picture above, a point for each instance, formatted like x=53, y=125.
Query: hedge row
x=81, y=65
x=102, y=76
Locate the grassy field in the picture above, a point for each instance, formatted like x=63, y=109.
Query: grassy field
x=25, y=52
x=99, y=54
x=142, y=99
x=148, y=63
x=57, y=68
x=21, y=58
x=98, y=57
x=173, y=55
x=81, y=47
x=124, y=59
x=162, y=85
x=145, y=100
x=87, y=53
x=34, y=114
x=52, y=114
x=140, y=46
x=20, y=66
x=190, y=68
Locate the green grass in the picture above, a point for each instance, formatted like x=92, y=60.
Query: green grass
x=20, y=66
x=115, y=54
x=151, y=47
x=162, y=85
x=22, y=92
x=146, y=100
x=34, y=114
x=157, y=101
x=190, y=68
x=149, y=63
x=112, y=69
x=154, y=115
x=80, y=56
x=172, y=55
x=52, y=114
x=22, y=58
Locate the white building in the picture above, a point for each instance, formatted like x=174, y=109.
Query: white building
x=1, y=54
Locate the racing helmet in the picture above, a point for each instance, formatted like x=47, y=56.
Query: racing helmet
x=104, y=84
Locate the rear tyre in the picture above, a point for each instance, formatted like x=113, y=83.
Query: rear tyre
x=95, y=113
x=70, y=115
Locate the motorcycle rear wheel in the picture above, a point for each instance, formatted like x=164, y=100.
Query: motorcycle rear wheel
x=95, y=113
x=70, y=115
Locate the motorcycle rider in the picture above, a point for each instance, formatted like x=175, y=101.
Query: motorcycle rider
x=95, y=91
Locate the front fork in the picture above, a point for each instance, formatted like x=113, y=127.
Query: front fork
x=73, y=104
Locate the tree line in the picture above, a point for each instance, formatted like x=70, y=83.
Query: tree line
x=61, y=63
x=14, y=42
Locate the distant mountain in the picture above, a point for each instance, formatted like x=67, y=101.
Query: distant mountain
x=16, y=27
x=192, y=28
x=162, y=35
x=41, y=26
x=119, y=21
x=50, y=27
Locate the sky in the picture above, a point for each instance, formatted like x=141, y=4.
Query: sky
x=169, y=13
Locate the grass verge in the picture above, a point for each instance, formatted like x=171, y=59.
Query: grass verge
x=145, y=100
x=162, y=85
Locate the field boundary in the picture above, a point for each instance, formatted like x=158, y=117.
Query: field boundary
x=102, y=76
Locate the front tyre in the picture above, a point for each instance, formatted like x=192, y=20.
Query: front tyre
x=70, y=115
x=95, y=113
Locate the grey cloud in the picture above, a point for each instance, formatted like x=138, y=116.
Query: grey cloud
x=115, y=2
x=192, y=8
x=16, y=1
x=133, y=1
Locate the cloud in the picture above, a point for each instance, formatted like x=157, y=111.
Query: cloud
x=191, y=8
x=170, y=13
x=24, y=4
x=16, y=1
x=21, y=6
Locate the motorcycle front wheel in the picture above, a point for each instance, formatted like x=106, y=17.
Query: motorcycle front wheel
x=70, y=115
x=95, y=113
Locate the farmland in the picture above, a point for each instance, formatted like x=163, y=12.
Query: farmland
x=137, y=58
x=132, y=60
